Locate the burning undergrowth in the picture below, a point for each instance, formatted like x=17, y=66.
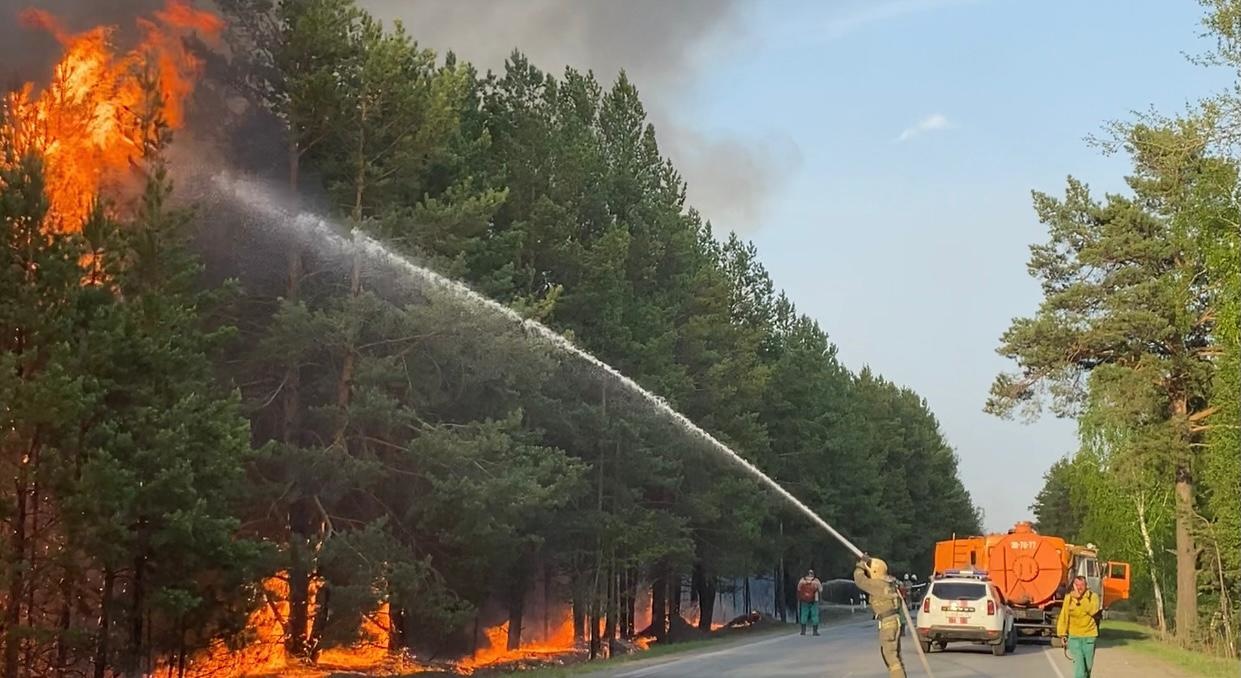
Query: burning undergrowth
x=93, y=121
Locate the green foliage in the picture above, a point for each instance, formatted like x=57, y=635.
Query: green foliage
x=128, y=456
x=404, y=452
x=1169, y=411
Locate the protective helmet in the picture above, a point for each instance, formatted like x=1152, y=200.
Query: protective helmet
x=878, y=568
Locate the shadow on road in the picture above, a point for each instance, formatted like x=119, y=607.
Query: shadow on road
x=1119, y=637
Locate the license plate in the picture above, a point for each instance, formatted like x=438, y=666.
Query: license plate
x=953, y=608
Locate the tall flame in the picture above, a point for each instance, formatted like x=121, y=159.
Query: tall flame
x=88, y=122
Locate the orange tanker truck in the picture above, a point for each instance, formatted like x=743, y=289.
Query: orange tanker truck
x=1033, y=572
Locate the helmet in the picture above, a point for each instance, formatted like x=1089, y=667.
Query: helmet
x=878, y=568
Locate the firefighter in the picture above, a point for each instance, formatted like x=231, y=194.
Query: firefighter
x=871, y=575
x=809, y=589
x=1078, y=626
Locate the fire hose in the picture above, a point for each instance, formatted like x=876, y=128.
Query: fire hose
x=926, y=666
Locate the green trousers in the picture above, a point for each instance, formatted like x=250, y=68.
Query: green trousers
x=1082, y=651
x=808, y=613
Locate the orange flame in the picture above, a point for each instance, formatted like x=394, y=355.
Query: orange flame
x=265, y=654
x=88, y=121
x=558, y=641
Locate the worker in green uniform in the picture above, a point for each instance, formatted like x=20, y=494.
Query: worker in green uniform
x=809, y=588
x=871, y=575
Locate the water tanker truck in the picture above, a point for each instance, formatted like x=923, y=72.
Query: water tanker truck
x=1033, y=572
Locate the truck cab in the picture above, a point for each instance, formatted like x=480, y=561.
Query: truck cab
x=1108, y=580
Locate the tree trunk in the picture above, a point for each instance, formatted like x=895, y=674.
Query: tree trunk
x=777, y=590
x=1150, y=566
x=300, y=555
x=516, y=613
x=133, y=661
x=474, y=638
x=396, y=627
x=781, y=588
x=1186, y=549
x=105, y=622
x=291, y=400
x=322, y=606
x=594, y=625
x=17, y=569
x=181, y=649
x=674, y=594
x=65, y=625
x=706, y=597
x=344, y=385
x=32, y=567
x=659, y=609
x=547, y=602
x=1225, y=603
x=631, y=603
x=579, y=612
x=290, y=435
x=1186, y=557
x=609, y=625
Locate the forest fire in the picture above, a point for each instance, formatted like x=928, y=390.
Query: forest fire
x=92, y=119
x=264, y=652
x=559, y=641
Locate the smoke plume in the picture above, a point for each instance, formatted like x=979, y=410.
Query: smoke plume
x=28, y=54
x=661, y=45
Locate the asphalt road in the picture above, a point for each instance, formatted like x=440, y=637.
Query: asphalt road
x=845, y=650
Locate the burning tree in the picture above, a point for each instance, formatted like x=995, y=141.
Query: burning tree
x=127, y=457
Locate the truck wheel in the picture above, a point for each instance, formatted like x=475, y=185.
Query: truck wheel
x=1012, y=641
x=926, y=646
x=1000, y=648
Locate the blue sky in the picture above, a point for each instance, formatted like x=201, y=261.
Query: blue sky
x=909, y=244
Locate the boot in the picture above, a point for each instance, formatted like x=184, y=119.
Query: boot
x=816, y=629
x=803, y=629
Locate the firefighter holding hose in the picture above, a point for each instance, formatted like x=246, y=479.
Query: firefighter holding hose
x=871, y=575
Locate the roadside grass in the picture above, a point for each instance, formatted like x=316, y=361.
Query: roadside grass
x=1144, y=639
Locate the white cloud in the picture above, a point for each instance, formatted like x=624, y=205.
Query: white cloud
x=931, y=123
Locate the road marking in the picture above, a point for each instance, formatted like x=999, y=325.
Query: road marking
x=1050, y=660
x=649, y=669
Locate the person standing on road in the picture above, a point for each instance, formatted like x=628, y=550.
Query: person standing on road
x=809, y=590
x=1078, y=626
x=871, y=575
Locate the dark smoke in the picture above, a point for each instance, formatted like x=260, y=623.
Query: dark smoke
x=27, y=55
x=661, y=44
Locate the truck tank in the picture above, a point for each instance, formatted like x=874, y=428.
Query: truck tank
x=1030, y=569
x=1033, y=571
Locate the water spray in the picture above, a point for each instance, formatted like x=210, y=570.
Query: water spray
x=253, y=195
